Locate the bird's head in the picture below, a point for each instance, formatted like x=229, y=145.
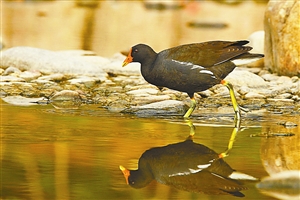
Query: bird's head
x=134, y=178
x=139, y=53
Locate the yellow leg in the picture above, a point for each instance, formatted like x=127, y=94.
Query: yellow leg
x=192, y=127
x=232, y=139
x=233, y=99
x=191, y=109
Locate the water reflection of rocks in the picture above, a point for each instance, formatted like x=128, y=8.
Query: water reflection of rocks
x=189, y=166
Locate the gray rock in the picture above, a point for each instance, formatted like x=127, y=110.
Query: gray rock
x=150, y=98
x=167, y=107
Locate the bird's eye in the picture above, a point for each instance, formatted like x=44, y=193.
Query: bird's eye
x=135, y=51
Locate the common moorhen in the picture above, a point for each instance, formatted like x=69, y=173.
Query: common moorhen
x=191, y=68
x=186, y=166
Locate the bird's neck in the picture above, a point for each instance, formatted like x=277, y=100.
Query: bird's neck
x=143, y=175
x=141, y=178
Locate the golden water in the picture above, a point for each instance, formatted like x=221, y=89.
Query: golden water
x=48, y=153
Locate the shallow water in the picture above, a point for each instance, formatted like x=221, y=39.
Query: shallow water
x=75, y=154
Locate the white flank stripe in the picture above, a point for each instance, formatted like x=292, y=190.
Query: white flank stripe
x=193, y=171
x=189, y=64
x=197, y=67
x=183, y=63
x=206, y=72
x=203, y=166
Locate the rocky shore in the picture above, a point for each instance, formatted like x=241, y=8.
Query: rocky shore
x=44, y=75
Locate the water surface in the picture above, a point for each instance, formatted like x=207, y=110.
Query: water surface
x=49, y=153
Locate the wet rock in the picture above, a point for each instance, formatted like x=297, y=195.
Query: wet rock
x=21, y=101
x=29, y=58
x=67, y=95
x=150, y=98
x=166, y=107
x=288, y=124
x=283, y=181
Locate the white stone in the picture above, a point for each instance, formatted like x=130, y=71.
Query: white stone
x=29, y=58
x=244, y=78
x=11, y=79
x=254, y=95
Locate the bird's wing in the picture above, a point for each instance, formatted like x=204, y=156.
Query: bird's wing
x=206, y=54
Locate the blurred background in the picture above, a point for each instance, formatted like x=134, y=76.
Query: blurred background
x=108, y=27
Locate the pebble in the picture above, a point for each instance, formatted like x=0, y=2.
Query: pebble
x=11, y=79
x=28, y=75
x=88, y=82
x=52, y=77
x=143, y=92
x=283, y=96
x=11, y=70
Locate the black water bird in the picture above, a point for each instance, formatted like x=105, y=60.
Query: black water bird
x=193, y=67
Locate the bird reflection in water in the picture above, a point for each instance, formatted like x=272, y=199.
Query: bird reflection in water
x=188, y=166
